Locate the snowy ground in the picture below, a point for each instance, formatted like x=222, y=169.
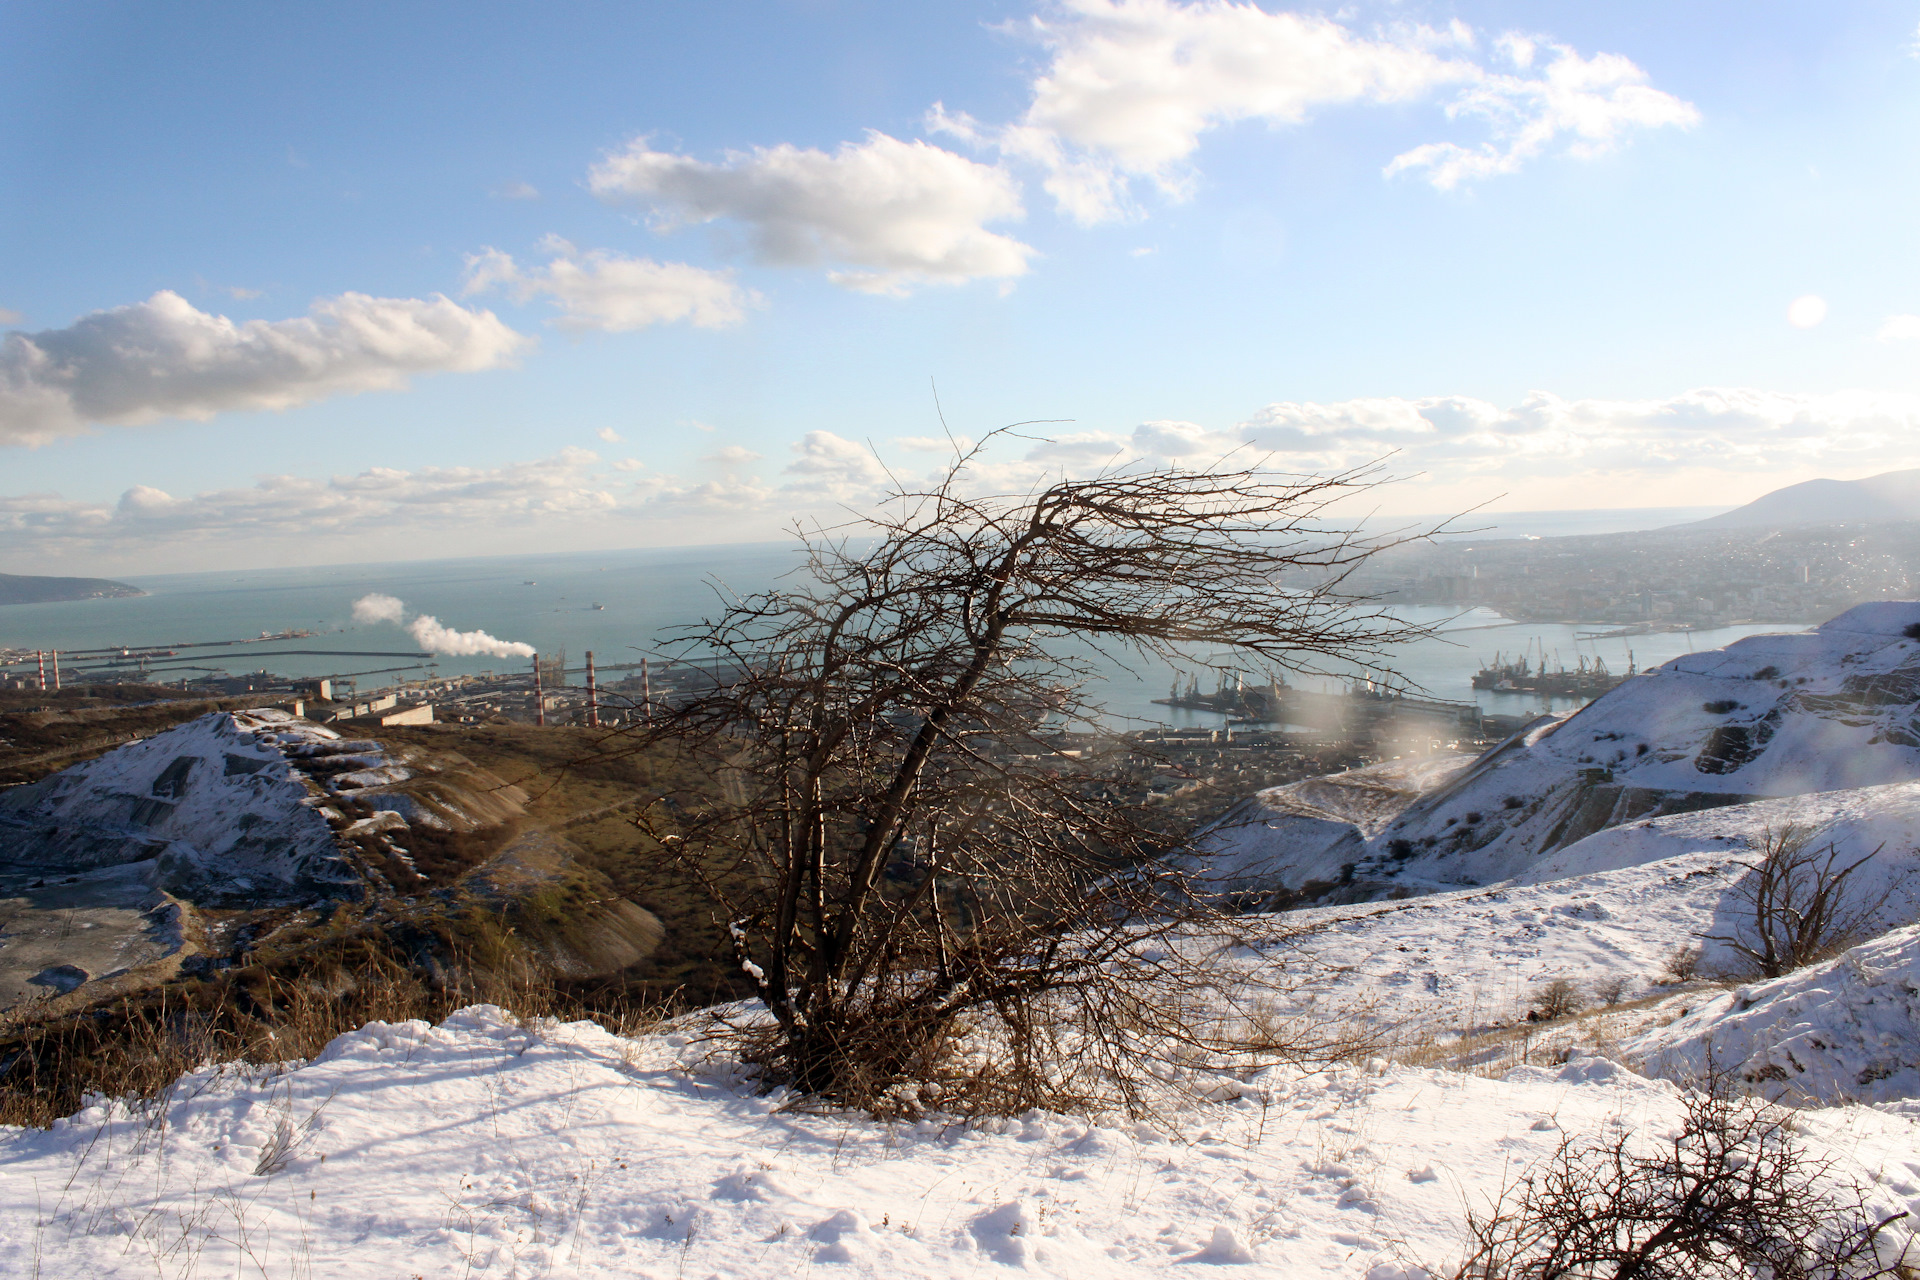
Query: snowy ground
x=483, y=1148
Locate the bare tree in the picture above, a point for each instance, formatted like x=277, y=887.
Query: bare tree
x=942, y=894
x=1797, y=904
x=1729, y=1196
x=1557, y=999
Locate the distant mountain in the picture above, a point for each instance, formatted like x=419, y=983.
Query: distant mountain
x=1893, y=495
x=29, y=589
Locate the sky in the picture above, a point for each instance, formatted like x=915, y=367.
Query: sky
x=304, y=284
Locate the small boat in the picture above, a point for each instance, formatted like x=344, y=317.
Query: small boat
x=597, y=605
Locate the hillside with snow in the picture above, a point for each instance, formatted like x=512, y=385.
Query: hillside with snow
x=1591, y=850
x=1834, y=709
x=180, y=847
x=490, y=1148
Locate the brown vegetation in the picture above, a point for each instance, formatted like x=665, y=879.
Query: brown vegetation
x=938, y=903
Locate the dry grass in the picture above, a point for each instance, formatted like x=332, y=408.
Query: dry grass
x=137, y=1047
x=1491, y=1052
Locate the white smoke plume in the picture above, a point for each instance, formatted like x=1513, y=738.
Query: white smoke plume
x=430, y=635
x=428, y=632
x=375, y=607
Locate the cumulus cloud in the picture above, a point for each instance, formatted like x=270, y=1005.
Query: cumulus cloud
x=826, y=466
x=887, y=215
x=603, y=290
x=1899, y=329
x=375, y=607
x=428, y=632
x=571, y=496
x=165, y=358
x=732, y=454
x=1586, y=106
x=1727, y=429
x=1131, y=87
x=934, y=444
x=609, y=435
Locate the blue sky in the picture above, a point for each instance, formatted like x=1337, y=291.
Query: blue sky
x=297, y=284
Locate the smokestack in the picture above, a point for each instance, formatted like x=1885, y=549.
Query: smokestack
x=56, y=671
x=539, y=696
x=593, y=695
x=40, y=657
x=646, y=693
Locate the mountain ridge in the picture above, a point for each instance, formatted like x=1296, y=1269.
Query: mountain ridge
x=1891, y=495
x=19, y=588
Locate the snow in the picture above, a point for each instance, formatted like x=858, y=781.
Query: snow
x=102, y=863
x=1768, y=716
x=1848, y=1029
x=491, y=1148
x=215, y=802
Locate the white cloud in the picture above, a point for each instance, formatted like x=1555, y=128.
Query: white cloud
x=1132, y=86
x=8, y=316
x=1899, y=329
x=518, y=191
x=890, y=215
x=1726, y=429
x=240, y=293
x=603, y=290
x=732, y=455
x=828, y=467
x=376, y=607
x=1589, y=103
x=934, y=444
x=430, y=634
x=165, y=358
x=567, y=499
x=1807, y=312
x=609, y=435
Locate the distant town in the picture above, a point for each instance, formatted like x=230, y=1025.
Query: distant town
x=1661, y=580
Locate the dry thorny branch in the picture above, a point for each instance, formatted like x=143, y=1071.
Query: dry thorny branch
x=943, y=899
x=1797, y=905
x=1730, y=1195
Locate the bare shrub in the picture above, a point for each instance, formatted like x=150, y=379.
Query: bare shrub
x=1729, y=1197
x=1681, y=965
x=927, y=851
x=1796, y=904
x=1612, y=989
x=1557, y=999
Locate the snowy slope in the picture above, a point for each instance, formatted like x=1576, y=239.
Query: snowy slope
x=102, y=864
x=1615, y=904
x=1847, y=1029
x=216, y=802
x=1302, y=836
x=486, y=1149
x=1768, y=716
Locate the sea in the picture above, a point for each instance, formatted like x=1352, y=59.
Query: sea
x=622, y=605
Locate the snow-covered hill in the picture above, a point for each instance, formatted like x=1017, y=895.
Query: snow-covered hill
x=217, y=804
x=1768, y=716
x=485, y=1148
x=102, y=864
x=1844, y=1030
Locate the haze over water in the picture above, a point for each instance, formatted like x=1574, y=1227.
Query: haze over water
x=547, y=601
